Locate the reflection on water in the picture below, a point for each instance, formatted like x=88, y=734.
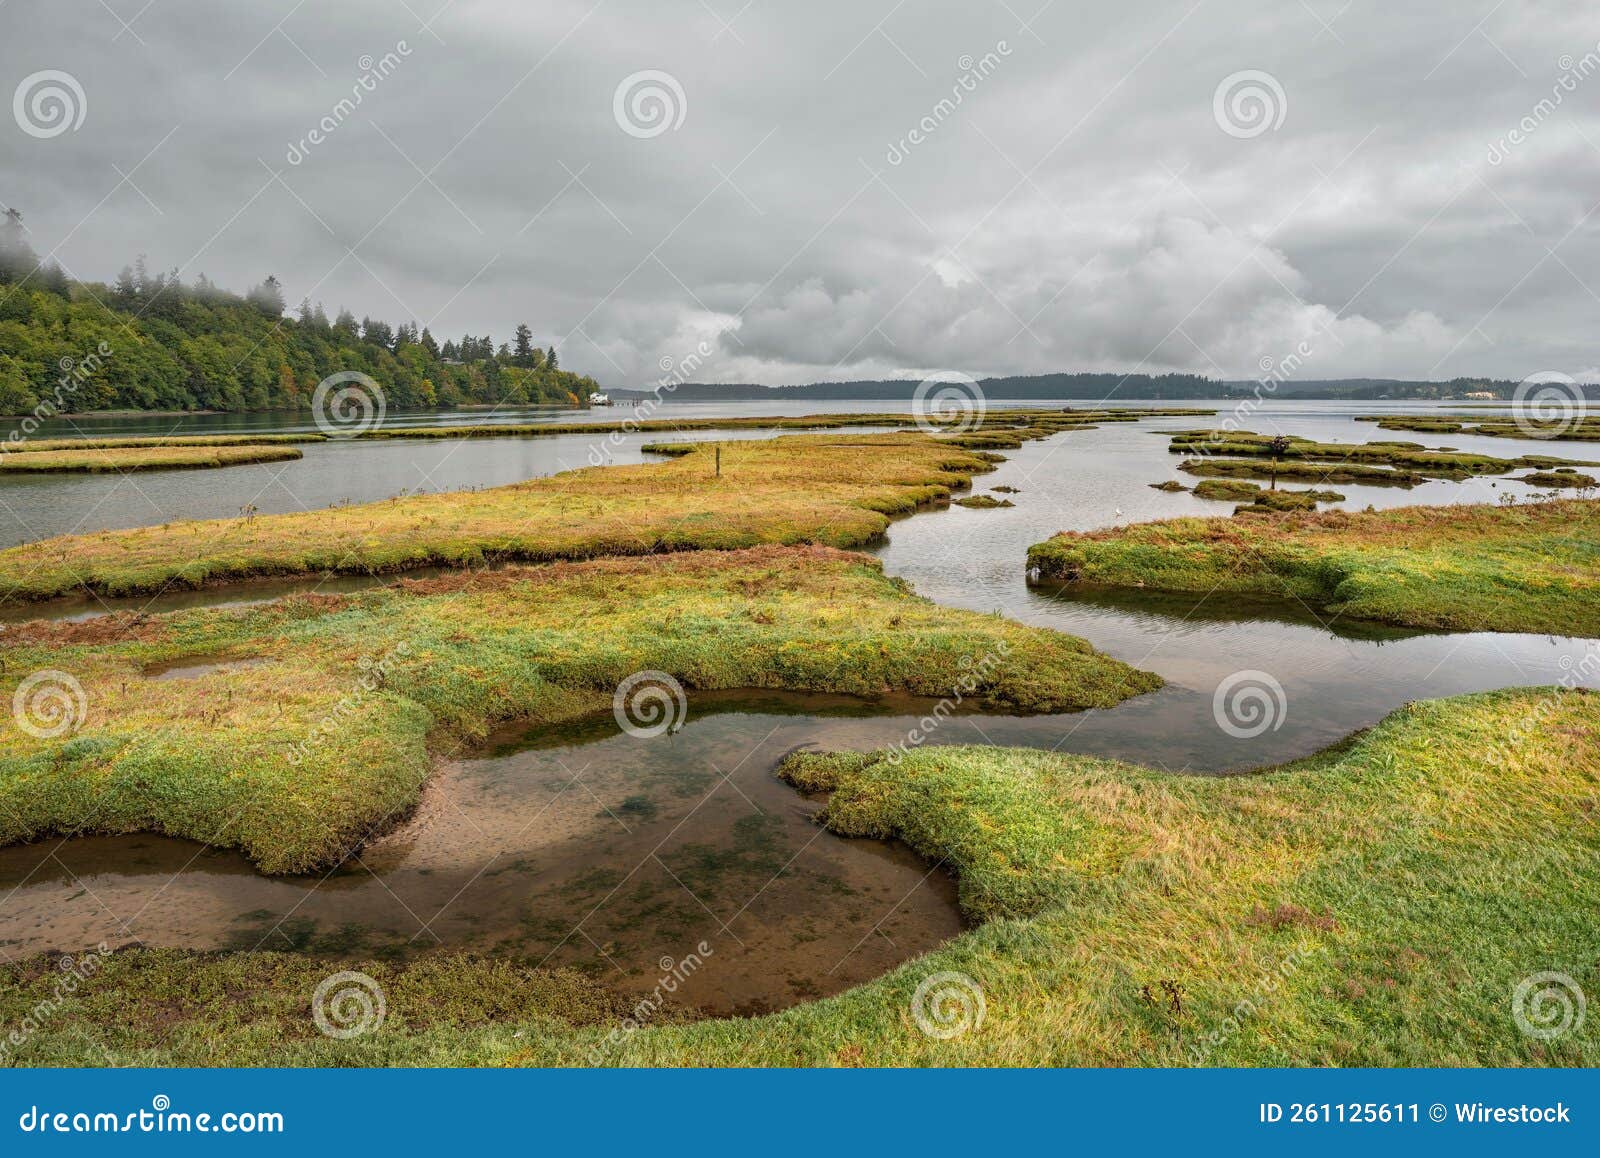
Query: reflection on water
x=589, y=849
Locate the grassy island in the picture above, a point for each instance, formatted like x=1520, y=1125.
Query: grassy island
x=1531, y=567
x=1241, y=454
x=91, y=460
x=1570, y=428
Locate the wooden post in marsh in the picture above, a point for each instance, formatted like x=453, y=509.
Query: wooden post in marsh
x=719, y=461
x=1278, y=447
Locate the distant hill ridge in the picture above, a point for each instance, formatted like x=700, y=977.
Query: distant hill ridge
x=1094, y=387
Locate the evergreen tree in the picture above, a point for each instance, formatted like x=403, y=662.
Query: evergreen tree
x=268, y=297
x=378, y=333
x=126, y=291
x=17, y=259
x=54, y=280
x=550, y=362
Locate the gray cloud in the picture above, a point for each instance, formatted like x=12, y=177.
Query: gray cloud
x=1072, y=205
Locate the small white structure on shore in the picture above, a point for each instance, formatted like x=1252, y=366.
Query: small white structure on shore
x=598, y=399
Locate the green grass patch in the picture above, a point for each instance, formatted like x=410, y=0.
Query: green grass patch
x=1225, y=489
x=1322, y=472
x=1573, y=429
x=1533, y=567
x=119, y=460
x=1565, y=477
x=1407, y=458
x=1277, y=502
x=327, y=735
x=133, y=442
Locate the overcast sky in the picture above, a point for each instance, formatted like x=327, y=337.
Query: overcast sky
x=1092, y=202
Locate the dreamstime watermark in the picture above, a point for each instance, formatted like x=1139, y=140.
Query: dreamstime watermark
x=974, y=675
x=1548, y=404
x=948, y=1005
x=1548, y=1005
x=673, y=975
x=160, y=1118
x=372, y=72
x=973, y=73
x=1268, y=982
x=675, y=373
x=49, y=704
x=1248, y=103
x=1274, y=373
x=74, y=971
x=74, y=373
x=1575, y=674
x=348, y=404
x=1249, y=703
x=649, y=704
x=1573, y=73
x=948, y=402
x=649, y=103
x=348, y=1004
x=48, y=103
x=374, y=675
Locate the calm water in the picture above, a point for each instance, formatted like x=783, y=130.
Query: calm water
x=1112, y=490
x=38, y=506
x=593, y=849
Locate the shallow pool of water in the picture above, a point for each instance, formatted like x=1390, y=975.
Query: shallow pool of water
x=581, y=847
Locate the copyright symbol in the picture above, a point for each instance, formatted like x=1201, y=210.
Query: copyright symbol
x=1436, y=1112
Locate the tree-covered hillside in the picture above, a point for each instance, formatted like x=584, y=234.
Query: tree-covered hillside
x=151, y=342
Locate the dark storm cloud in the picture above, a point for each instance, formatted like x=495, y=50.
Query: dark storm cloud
x=855, y=189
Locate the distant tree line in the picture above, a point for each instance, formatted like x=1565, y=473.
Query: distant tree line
x=1091, y=387
x=178, y=346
